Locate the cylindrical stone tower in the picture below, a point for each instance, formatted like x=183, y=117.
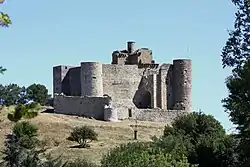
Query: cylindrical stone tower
x=91, y=79
x=182, y=84
x=131, y=47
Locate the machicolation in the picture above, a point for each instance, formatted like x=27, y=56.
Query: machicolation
x=133, y=85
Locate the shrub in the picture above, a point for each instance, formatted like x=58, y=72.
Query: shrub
x=27, y=111
x=140, y=155
x=22, y=129
x=20, y=146
x=83, y=135
x=201, y=138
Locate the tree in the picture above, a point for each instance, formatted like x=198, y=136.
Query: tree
x=20, y=146
x=4, y=18
x=12, y=94
x=201, y=139
x=83, y=135
x=38, y=93
x=237, y=104
x=236, y=54
x=2, y=70
x=237, y=48
x=23, y=149
x=141, y=155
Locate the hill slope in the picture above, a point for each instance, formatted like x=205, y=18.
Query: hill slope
x=55, y=128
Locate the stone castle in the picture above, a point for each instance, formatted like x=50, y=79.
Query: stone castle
x=133, y=85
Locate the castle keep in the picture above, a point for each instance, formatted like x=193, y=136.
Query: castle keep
x=133, y=85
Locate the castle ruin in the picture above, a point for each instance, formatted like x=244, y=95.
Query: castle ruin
x=133, y=85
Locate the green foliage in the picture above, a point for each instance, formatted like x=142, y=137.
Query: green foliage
x=201, y=139
x=196, y=125
x=4, y=20
x=2, y=70
x=177, y=145
x=83, y=135
x=141, y=155
x=22, y=149
x=37, y=93
x=22, y=129
x=237, y=104
x=27, y=111
x=12, y=94
x=236, y=51
x=20, y=146
x=236, y=54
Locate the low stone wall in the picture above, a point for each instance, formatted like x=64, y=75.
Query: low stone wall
x=80, y=106
x=158, y=116
x=94, y=107
x=154, y=115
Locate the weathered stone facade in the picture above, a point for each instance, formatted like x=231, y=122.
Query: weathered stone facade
x=134, y=82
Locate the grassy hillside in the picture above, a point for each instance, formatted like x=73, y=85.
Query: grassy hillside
x=55, y=128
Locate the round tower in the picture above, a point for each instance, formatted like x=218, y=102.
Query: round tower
x=91, y=79
x=182, y=84
x=131, y=47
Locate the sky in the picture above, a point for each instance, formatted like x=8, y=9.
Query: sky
x=49, y=33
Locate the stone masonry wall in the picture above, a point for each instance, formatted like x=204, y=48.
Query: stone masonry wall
x=80, y=106
x=157, y=115
x=94, y=107
x=121, y=83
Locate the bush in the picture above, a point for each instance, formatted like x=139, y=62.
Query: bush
x=202, y=139
x=20, y=146
x=83, y=135
x=140, y=155
x=27, y=111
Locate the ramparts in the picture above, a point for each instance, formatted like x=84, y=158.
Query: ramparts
x=93, y=107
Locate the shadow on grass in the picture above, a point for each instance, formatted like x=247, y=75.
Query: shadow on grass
x=79, y=146
x=49, y=111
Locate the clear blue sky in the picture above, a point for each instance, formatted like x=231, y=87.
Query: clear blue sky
x=53, y=32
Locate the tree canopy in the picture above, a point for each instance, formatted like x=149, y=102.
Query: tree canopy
x=236, y=54
x=201, y=138
x=13, y=94
x=237, y=48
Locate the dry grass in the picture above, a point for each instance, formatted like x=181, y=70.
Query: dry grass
x=55, y=128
